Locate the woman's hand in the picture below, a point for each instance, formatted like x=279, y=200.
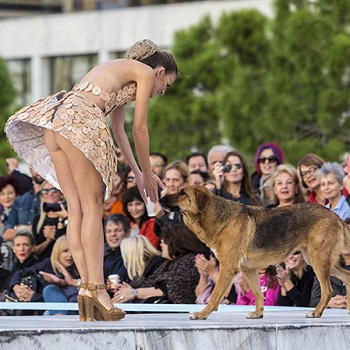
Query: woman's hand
x=67, y=276
x=123, y=294
x=52, y=279
x=218, y=174
x=338, y=302
x=23, y=292
x=49, y=232
x=282, y=274
x=148, y=187
x=205, y=267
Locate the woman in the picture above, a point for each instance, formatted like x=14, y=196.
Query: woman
x=176, y=175
x=286, y=186
x=140, y=258
x=331, y=176
x=135, y=210
x=76, y=152
x=51, y=223
x=176, y=279
x=233, y=180
x=308, y=168
x=296, y=279
x=267, y=158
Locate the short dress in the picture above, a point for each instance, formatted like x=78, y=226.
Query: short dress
x=78, y=119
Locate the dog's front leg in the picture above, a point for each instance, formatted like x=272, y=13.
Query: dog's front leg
x=254, y=285
x=225, y=278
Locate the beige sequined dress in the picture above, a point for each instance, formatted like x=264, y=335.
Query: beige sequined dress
x=75, y=117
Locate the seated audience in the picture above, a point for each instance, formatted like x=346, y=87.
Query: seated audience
x=269, y=287
x=233, y=180
x=296, y=280
x=208, y=276
x=116, y=229
x=176, y=279
x=308, y=168
x=286, y=186
x=51, y=222
x=135, y=210
x=24, y=209
x=267, y=158
x=331, y=176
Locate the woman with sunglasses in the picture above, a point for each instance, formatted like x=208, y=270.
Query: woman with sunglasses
x=51, y=222
x=233, y=180
x=267, y=158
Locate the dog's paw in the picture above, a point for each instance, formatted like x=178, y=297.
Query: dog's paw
x=197, y=316
x=312, y=314
x=255, y=315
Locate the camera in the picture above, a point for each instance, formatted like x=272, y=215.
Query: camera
x=227, y=168
x=51, y=207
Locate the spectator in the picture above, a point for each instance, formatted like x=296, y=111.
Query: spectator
x=308, y=168
x=331, y=176
x=158, y=163
x=269, y=287
x=176, y=279
x=296, y=281
x=216, y=155
x=116, y=228
x=198, y=161
x=51, y=222
x=140, y=258
x=267, y=158
x=234, y=183
x=61, y=275
x=208, y=276
x=176, y=175
x=197, y=178
x=24, y=209
x=286, y=186
x=114, y=205
x=25, y=182
x=135, y=210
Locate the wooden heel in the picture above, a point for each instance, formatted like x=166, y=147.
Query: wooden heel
x=81, y=304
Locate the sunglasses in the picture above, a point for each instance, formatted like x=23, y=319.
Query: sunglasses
x=271, y=159
x=130, y=178
x=50, y=190
x=297, y=252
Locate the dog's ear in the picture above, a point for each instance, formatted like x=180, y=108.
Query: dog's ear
x=202, y=198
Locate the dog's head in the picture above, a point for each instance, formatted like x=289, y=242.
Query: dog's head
x=189, y=199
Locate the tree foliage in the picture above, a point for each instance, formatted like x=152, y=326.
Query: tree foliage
x=249, y=79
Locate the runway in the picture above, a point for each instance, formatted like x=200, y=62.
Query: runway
x=228, y=329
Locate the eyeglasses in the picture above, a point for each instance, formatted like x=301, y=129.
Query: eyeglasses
x=130, y=178
x=271, y=159
x=156, y=165
x=310, y=171
x=50, y=190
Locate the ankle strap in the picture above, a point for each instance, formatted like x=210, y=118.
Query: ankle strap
x=83, y=285
x=95, y=287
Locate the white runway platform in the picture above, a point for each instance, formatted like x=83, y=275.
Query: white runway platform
x=228, y=329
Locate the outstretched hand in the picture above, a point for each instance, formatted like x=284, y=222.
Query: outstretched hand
x=148, y=187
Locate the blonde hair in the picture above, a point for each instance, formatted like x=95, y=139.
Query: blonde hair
x=136, y=252
x=60, y=245
x=181, y=167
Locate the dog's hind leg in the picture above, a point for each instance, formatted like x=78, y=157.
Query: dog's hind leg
x=254, y=285
x=225, y=278
x=322, y=271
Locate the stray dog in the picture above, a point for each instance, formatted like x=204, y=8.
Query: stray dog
x=245, y=238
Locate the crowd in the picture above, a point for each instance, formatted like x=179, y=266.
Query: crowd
x=150, y=256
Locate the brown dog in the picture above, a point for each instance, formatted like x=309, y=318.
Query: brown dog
x=244, y=238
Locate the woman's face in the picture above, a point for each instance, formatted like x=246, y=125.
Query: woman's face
x=330, y=187
x=295, y=261
x=173, y=181
x=136, y=209
x=267, y=161
x=7, y=196
x=66, y=258
x=309, y=175
x=236, y=174
x=165, y=250
x=50, y=194
x=22, y=248
x=130, y=180
x=162, y=82
x=284, y=187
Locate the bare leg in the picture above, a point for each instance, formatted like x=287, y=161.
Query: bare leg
x=83, y=188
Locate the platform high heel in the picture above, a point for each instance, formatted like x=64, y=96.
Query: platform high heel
x=95, y=310
x=81, y=303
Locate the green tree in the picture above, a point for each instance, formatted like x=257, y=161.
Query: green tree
x=7, y=97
